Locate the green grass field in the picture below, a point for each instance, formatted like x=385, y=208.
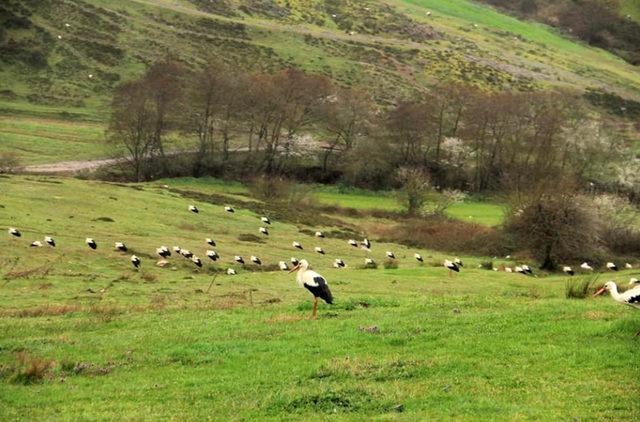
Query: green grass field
x=158, y=344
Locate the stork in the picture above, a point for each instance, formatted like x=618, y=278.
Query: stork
x=120, y=246
x=585, y=266
x=418, y=257
x=458, y=262
x=194, y=209
x=631, y=297
x=568, y=270
x=212, y=255
x=186, y=253
x=91, y=243
x=256, y=260
x=633, y=281
x=265, y=220
x=36, y=244
x=14, y=232
x=283, y=266
x=313, y=282
x=339, y=263
x=369, y=261
x=229, y=209
x=452, y=266
x=319, y=250
x=177, y=249
x=319, y=234
x=196, y=261
x=50, y=241
x=163, y=251
x=296, y=245
x=231, y=271
x=520, y=270
x=353, y=243
x=238, y=259
x=135, y=261
x=628, y=266
x=210, y=242
x=391, y=255
x=526, y=269
x=366, y=244
x=264, y=231
x=294, y=261
x=611, y=266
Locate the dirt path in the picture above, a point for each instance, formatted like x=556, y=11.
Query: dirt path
x=71, y=166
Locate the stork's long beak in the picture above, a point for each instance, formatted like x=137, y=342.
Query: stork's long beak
x=599, y=292
x=294, y=269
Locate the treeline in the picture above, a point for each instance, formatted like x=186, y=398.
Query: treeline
x=290, y=123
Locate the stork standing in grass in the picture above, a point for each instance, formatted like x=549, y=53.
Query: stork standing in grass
x=452, y=266
x=631, y=297
x=418, y=257
x=313, y=282
x=585, y=266
x=229, y=209
x=120, y=246
x=163, y=252
x=568, y=270
x=14, y=232
x=194, y=209
x=50, y=241
x=91, y=243
x=296, y=245
x=212, y=255
x=611, y=266
x=283, y=266
x=135, y=261
x=264, y=231
x=36, y=244
x=210, y=241
x=265, y=220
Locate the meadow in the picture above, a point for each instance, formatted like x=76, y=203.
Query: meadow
x=84, y=335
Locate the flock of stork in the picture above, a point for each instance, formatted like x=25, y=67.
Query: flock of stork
x=318, y=285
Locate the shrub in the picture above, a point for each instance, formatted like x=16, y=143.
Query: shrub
x=415, y=184
x=390, y=264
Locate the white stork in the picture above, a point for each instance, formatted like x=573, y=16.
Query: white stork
x=264, y=231
x=283, y=266
x=369, y=261
x=313, y=282
x=135, y=261
x=585, y=266
x=194, y=209
x=418, y=257
x=50, y=241
x=296, y=245
x=294, y=261
x=238, y=259
x=210, y=241
x=520, y=270
x=177, y=249
x=458, y=262
x=186, y=253
x=526, y=269
x=265, y=220
x=568, y=270
x=231, y=271
x=91, y=243
x=339, y=263
x=163, y=251
x=319, y=234
x=120, y=246
x=508, y=269
x=633, y=281
x=451, y=266
x=14, y=232
x=256, y=260
x=391, y=255
x=196, y=261
x=36, y=244
x=628, y=266
x=353, y=243
x=319, y=250
x=611, y=266
x=631, y=297
x=366, y=244
x=212, y=255
x=229, y=209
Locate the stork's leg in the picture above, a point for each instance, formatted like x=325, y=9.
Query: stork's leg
x=450, y=273
x=315, y=307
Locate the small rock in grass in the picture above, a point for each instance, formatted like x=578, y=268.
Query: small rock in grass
x=456, y=311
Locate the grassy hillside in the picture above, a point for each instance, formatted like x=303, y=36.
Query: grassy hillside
x=82, y=333
x=70, y=54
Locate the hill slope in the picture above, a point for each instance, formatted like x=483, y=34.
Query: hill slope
x=66, y=56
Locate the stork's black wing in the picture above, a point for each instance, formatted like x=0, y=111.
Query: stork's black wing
x=321, y=290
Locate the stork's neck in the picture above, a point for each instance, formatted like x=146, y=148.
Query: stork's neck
x=615, y=295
